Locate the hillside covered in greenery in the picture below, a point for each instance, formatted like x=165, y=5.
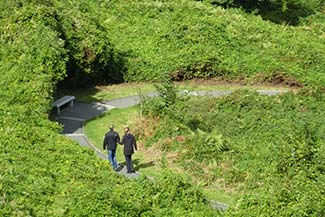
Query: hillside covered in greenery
x=46, y=44
x=270, y=150
x=42, y=172
x=190, y=39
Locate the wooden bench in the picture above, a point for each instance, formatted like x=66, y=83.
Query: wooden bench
x=62, y=101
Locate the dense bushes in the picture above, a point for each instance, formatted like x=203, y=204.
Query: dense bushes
x=315, y=23
x=89, y=55
x=92, y=59
x=272, y=148
x=43, y=173
x=279, y=11
x=189, y=39
x=112, y=41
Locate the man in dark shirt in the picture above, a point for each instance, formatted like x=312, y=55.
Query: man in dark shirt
x=109, y=143
x=130, y=144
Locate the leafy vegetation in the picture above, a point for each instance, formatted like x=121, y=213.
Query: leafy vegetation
x=111, y=41
x=89, y=56
x=315, y=23
x=271, y=149
x=44, y=43
x=43, y=173
x=190, y=39
x=150, y=162
x=279, y=11
x=92, y=58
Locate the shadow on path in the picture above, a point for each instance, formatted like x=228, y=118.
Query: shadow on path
x=138, y=165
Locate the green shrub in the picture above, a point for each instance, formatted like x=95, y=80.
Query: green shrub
x=203, y=145
x=167, y=94
x=315, y=23
x=92, y=57
x=272, y=147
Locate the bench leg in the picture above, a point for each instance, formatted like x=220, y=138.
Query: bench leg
x=58, y=110
x=71, y=103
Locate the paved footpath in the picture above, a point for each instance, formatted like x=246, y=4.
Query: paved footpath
x=73, y=119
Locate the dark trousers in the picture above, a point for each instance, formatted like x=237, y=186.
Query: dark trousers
x=129, y=164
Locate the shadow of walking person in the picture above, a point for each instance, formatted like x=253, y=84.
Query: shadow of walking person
x=138, y=165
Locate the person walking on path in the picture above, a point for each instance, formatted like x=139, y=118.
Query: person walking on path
x=110, y=142
x=130, y=144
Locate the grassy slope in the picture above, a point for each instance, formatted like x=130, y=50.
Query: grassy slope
x=190, y=36
x=249, y=163
x=270, y=147
x=95, y=130
x=146, y=161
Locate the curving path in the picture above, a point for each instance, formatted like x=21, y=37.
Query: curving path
x=73, y=120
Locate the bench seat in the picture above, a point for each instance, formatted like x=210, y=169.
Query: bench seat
x=62, y=101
